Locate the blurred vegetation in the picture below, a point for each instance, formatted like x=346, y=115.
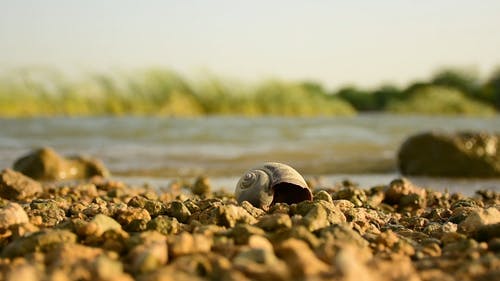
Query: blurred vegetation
x=46, y=92
x=440, y=100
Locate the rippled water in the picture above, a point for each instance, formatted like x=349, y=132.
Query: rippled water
x=150, y=147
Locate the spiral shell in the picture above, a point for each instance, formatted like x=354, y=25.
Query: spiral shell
x=272, y=183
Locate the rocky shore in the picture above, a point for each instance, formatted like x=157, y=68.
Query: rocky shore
x=100, y=229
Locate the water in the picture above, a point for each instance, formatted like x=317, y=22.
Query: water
x=362, y=148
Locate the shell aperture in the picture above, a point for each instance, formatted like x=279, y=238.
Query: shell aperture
x=272, y=183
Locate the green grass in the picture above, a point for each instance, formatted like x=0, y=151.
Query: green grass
x=161, y=92
x=158, y=92
x=439, y=100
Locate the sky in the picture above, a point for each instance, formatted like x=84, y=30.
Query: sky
x=365, y=43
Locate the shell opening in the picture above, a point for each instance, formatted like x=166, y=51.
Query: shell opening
x=290, y=193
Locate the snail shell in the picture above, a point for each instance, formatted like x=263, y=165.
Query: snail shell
x=272, y=183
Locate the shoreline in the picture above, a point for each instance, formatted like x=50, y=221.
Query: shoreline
x=466, y=186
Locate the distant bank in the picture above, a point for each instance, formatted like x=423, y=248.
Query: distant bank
x=161, y=92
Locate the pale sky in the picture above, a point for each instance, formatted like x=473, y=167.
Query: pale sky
x=334, y=42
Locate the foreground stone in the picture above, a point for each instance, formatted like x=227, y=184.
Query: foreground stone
x=18, y=187
x=463, y=154
x=105, y=230
x=47, y=164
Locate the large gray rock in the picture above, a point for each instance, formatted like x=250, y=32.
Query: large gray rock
x=46, y=164
x=462, y=154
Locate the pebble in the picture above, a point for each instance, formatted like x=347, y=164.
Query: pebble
x=106, y=230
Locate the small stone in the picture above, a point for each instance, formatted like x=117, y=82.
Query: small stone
x=133, y=219
x=242, y=232
x=274, y=222
x=48, y=211
x=494, y=244
x=12, y=214
x=150, y=254
x=399, y=188
x=488, y=232
x=254, y=211
x=227, y=216
x=343, y=204
x=323, y=195
x=459, y=214
x=315, y=219
x=297, y=232
x=18, y=187
x=411, y=201
x=179, y=211
x=479, y=218
x=311, y=211
x=259, y=261
x=100, y=224
x=164, y=224
x=201, y=186
x=43, y=240
x=351, y=193
x=342, y=234
x=431, y=249
x=79, y=262
x=25, y=272
x=186, y=243
x=300, y=259
x=352, y=265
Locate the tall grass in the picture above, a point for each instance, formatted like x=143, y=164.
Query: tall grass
x=439, y=100
x=162, y=92
x=157, y=92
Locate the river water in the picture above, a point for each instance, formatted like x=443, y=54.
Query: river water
x=153, y=149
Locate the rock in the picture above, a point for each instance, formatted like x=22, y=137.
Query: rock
x=494, y=245
x=18, y=187
x=165, y=225
x=316, y=218
x=178, y=210
x=323, y=195
x=78, y=262
x=259, y=262
x=100, y=224
x=43, y=240
x=174, y=273
x=241, y=233
x=274, y=222
x=227, y=216
x=12, y=214
x=133, y=219
x=343, y=204
x=352, y=265
x=25, y=272
x=150, y=253
x=186, y=243
x=253, y=211
x=351, y=193
x=479, y=218
x=301, y=261
x=461, y=154
x=45, y=164
x=412, y=201
x=437, y=230
x=201, y=186
x=399, y=188
x=154, y=207
x=46, y=212
x=488, y=232
x=319, y=213
x=342, y=234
